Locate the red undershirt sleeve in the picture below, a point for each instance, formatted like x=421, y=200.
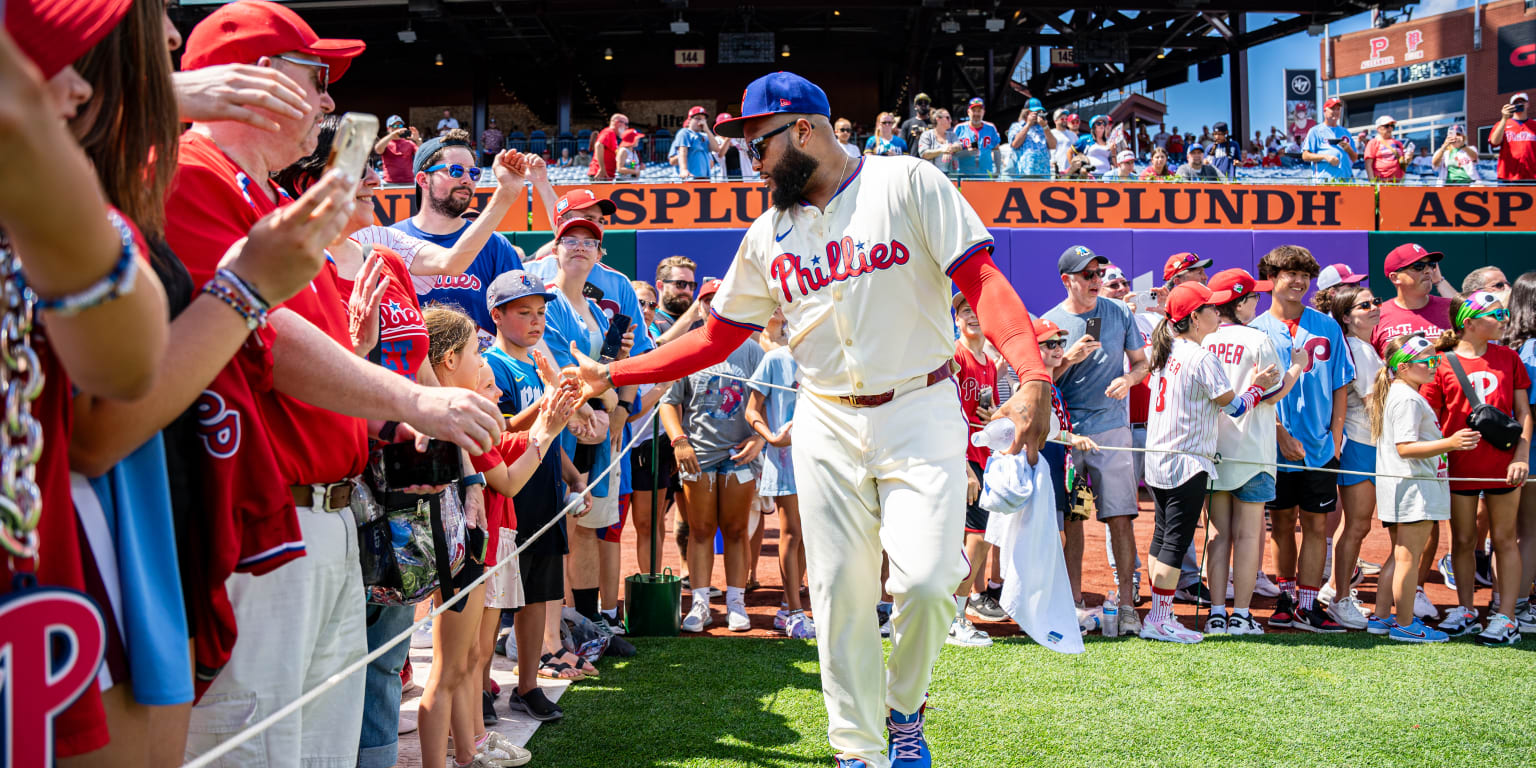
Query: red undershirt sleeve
x=1003, y=317
x=693, y=351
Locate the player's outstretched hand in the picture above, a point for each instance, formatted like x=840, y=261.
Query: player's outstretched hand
x=1030, y=411
x=592, y=374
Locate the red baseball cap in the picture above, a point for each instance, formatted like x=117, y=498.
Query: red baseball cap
x=1406, y=254
x=577, y=199
x=1185, y=298
x=55, y=33
x=588, y=224
x=722, y=117
x=697, y=111
x=244, y=31
x=1180, y=262
x=1331, y=103
x=1230, y=284
x=632, y=137
x=1046, y=330
x=709, y=288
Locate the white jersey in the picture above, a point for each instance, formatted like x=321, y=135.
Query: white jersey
x=1183, y=415
x=1243, y=352
x=407, y=246
x=1357, y=423
x=865, y=283
x=1407, y=418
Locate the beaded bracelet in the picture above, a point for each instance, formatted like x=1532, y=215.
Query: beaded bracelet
x=245, y=288
x=255, y=315
x=117, y=283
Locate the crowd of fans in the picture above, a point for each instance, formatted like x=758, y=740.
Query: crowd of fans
x=234, y=481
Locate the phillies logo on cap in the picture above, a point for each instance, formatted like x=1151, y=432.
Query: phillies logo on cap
x=784, y=102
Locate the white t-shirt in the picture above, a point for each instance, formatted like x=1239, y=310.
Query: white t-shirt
x=1099, y=155
x=1357, y=423
x=1062, y=155
x=1243, y=352
x=1407, y=418
x=1183, y=415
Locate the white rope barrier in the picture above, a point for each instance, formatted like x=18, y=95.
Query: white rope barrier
x=229, y=744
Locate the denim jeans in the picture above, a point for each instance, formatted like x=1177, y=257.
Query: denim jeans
x=380, y=742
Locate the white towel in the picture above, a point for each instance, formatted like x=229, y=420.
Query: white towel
x=1022, y=524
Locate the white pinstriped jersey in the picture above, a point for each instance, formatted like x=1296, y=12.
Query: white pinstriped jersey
x=865, y=283
x=1243, y=352
x=1183, y=414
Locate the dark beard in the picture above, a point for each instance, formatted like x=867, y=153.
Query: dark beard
x=677, y=304
x=790, y=176
x=450, y=206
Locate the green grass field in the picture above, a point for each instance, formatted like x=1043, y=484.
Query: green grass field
x=1295, y=700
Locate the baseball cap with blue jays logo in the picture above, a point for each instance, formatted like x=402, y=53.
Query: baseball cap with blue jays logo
x=514, y=285
x=778, y=93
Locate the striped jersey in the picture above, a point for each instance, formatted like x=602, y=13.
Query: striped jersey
x=1183, y=416
x=1242, y=353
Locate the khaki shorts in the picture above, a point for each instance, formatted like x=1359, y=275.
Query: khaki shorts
x=504, y=589
x=605, y=509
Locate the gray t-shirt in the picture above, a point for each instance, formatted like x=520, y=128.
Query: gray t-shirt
x=1082, y=386
x=1205, y=173
x=715, y=407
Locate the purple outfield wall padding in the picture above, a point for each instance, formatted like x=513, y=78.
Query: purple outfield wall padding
x=1035, y=251
x=713, y=249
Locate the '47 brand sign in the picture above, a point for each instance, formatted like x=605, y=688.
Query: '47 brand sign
x=1169, y=205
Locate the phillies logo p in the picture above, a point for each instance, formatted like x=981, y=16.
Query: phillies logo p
x=218, y=425
x=51, y=644
x=1378, y=47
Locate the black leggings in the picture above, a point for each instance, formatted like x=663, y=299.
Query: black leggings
x=1176, y=517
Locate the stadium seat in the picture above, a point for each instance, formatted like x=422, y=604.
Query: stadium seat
x=538, y=143
x=516, y=140
x=661, y=138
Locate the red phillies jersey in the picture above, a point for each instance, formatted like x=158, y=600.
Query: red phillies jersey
x=1517, y=155
x=1496, y=375
x=1432, y=319
x=403, y=338
x=975, y=377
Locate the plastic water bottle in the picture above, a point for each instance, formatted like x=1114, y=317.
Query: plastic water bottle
x=997, y=436
x=1112, y=614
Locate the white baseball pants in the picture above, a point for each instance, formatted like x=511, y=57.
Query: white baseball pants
x=890, y=477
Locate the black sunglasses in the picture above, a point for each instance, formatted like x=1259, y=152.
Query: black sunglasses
x=682, y=285
x=755, y=146
x=1052, y=344
x=646, y=304
x=1364, y=304
x=1417, y=266
x=1092, y=274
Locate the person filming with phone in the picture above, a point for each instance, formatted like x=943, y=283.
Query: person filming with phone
x=1329, y=147
x=1515, y=138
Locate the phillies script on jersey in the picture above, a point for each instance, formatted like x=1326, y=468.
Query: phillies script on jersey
x=464, y=281
x=845, y=261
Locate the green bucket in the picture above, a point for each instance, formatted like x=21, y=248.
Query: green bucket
x=653, y=604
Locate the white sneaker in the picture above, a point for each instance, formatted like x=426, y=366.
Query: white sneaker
x=963, y=633
x=1501, y=630
x=1170, y=631
x=1263, y=587
x=698, y=618
x=1461, y=620
x=488, y=760
x=1525, y=616
x=422, y=637
x=1347, y=613
x=1216, y=624
x=1326, y=595
x=1238, y=624
x=1423, y=608
x=1367, y=568
x=736, y=619
x=501, y=749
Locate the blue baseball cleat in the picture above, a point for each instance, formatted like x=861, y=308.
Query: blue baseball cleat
x=907, y=747
x=851, y=762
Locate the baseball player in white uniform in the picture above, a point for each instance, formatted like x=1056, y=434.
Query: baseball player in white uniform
x=860, y=255
x=1190, y=392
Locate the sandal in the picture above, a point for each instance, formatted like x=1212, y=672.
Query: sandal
x=558, y=670
x=581, y=665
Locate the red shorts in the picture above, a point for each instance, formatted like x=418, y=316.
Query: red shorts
x=613, y=533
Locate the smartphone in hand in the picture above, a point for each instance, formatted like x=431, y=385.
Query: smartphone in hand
x=405, y=467
x=353, y=144
x=1095, y=325
x=613, y=341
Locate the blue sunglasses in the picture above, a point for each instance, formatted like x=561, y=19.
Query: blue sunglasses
x=456, y=171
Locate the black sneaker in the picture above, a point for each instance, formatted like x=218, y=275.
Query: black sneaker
x=535, y=704
x=996, y=593
x=1316, y=620
x=1285, y=611
x=488, y=708
x=984, y=607
x=1196, y=594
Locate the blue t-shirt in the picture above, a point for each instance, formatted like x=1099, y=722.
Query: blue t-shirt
x=982, y=141
x=1528, y=356
x=892, y=146
x=778, y=367
x=618, y=295
x=1317, y=141
x=543, y=496
x=466, y=291
x=1307, y=412
x=698, y=151
x=562, y=325
x=1083, y=385
x=1033, y=157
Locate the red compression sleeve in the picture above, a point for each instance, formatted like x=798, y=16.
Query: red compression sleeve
x=693, y=351
x=1003, y=317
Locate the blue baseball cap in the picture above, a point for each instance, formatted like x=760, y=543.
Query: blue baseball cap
x=976, y=102
x=514, y=285
x=1034, y=105
x=778, y=93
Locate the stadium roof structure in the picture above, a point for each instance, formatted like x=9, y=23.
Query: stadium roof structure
x=989, y=48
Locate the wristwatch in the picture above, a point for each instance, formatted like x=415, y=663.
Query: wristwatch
x=629, y=407
x=477, y=478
